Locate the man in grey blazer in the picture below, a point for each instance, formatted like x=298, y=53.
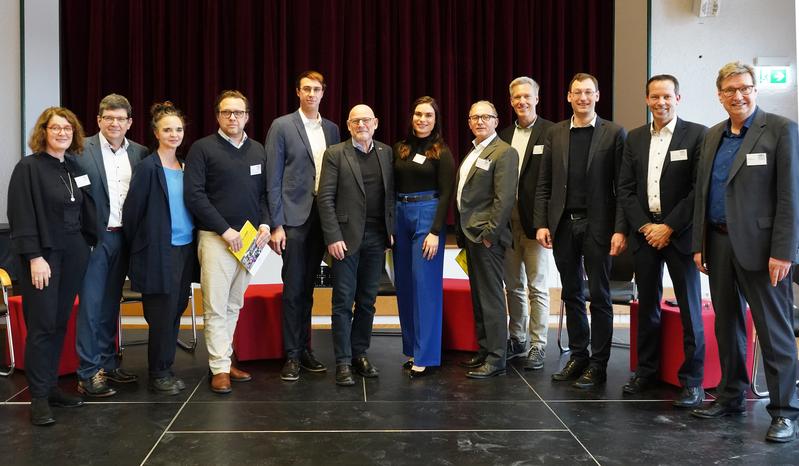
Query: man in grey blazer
x=746, y=234
x=486, y=192
x=108, y=160
x=356, y=208
x=656, y=190
x=578, y=217
x=294, y=146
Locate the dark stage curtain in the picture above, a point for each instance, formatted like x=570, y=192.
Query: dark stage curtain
x=384, y=53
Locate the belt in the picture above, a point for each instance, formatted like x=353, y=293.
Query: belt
x=720, y=228
x=577, y=214
x=414, y=198
x=114, y=229
x=656, y=217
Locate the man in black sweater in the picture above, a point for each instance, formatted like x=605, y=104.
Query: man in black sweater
x=224, y=187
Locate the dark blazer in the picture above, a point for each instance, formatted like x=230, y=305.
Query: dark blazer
x=528, y=178
x=147, y=222
x=341, y=198
x=488, y=196
x=91, y=163
x=676, y=182
x=605, y=216
x=762, y=201
x=290, y=168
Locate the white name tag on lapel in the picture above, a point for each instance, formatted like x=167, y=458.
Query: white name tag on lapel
x=678, y=155
x=419, y=158
x=255, y=169
x=483, y=164
x=82, y=181
x=538, y=149
x=753, y=160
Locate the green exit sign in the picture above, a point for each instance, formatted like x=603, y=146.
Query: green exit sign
x=773, y=76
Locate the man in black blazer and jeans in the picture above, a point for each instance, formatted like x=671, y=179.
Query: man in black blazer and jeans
x=656, y=190
x=577, y=216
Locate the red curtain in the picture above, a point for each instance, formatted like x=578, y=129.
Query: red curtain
x=384, y=53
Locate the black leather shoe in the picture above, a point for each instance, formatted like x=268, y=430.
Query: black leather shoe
x=408, y=364
x=781, y=430
x=592, y=377
x=41, y=415
x=291, y=370
x=364, y=368
x=120, y=376
x=309, y=362
x=475, y=361
x=637, y=384
x=570, y=371
x=344, y=375
x=163, y=386
x=62, y=400
x=716, y=410
x=516, y=349
x=690, y=397
x=96, y=386
x=485, y=371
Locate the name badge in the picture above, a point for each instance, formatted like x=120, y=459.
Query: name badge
x=538, y=149
x=255, y=169
x=483, y=164
x=419, y=158
x=82, y=181
x=753, y=160
x=678, y=155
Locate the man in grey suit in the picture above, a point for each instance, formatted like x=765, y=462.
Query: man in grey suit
x=108, y=160
x=578, y=217
x=486, y=192
x=526, y=262
x=656, y=189
x=746, y=234
x=295, y=145
x=357, y=229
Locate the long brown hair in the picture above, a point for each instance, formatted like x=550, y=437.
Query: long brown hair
x=434, y=151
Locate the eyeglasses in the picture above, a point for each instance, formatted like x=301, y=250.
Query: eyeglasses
x=309, y=89
x=110, y=119
x=730, y=91
x=235, y=113
x=60, y=129
x=589, y=93
x=483, y=118
x=358, y=121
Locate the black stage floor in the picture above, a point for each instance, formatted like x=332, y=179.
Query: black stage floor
x=446, y=419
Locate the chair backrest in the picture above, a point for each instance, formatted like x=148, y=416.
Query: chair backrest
x=622, y=267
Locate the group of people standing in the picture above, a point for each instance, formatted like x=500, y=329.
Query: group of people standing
x=722, y=201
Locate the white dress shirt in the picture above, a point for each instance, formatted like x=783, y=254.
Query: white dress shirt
x=316, y=136
x=658, y=149
x=469, y=162
x=117, y=174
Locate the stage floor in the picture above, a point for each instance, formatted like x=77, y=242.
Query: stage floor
x=445, y=418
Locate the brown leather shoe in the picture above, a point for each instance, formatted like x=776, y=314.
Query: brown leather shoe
x=220, y=383
x=237, y=375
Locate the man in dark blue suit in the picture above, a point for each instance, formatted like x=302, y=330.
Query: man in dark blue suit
x=295, y=145
x=656, y=190
x=746, y=234
x=108, y=160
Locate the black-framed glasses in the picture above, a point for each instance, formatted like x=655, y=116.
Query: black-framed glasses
x=483, y=118
x=235, y=113
x=358, y=121
x=730, y=91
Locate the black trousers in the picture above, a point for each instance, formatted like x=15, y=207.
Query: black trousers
x=574, y=246
x=731, y=287
x=47, y=311
x=305, y=247
x=488, y=300
x=685, y=277
x=162, y=312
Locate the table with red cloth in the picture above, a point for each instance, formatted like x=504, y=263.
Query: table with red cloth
x=458, y=331
x=259, y=332
x=671, y=343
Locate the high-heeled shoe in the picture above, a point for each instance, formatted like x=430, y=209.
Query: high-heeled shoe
x=407, y=364
x=414, y=374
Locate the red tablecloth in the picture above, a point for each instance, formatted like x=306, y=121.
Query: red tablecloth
x=671, y=343
x=458, y=331
x=259, y=332
x=69, y=356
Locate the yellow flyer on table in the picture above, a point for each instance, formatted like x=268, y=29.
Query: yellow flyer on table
x=461, y=260
x=250, y=256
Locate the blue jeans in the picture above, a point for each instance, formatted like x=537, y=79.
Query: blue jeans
x=355, y=281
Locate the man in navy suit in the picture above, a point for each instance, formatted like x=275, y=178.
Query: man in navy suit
x=108, y=160
x=295, y=145
x=746, y=234
x=577, y=215
x=656, y=190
